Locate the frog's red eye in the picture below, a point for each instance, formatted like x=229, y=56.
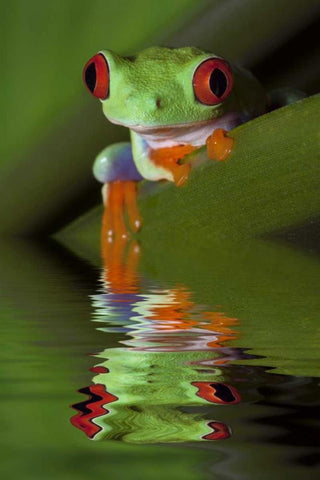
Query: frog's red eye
x=212, y=81
x=96, y=76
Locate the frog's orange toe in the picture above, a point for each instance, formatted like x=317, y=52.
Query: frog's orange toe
x=181, y=174
x=219, y=146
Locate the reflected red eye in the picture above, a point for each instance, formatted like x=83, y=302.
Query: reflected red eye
x=212, y=81
x=220, y=431
x=96, y=76
x=217, y=392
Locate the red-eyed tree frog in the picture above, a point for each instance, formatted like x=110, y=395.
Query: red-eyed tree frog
x=173, y=101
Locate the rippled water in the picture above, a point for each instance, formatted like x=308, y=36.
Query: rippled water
x=148, y=367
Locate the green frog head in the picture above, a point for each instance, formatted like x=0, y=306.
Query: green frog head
x=161, y=87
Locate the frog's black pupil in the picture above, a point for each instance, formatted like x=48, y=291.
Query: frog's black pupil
x=218, y=82
x=91, y=77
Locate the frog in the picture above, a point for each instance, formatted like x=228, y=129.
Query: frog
x=174, y=101
x=151, y=397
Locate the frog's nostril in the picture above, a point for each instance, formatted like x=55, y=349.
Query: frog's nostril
x=129, y=99
x=153, y=103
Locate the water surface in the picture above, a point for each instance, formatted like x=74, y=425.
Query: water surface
x=142, y=365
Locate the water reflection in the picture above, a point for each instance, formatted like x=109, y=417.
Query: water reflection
x=177, y=374
x=46, y=333
x=173, y=365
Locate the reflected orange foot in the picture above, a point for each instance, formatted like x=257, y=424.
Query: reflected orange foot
x=219, y=146
x=120, y=264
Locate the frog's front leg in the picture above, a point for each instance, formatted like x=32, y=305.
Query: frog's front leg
x=115, y=168
x=219, y=145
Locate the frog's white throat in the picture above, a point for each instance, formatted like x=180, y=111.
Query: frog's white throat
x=187, y=134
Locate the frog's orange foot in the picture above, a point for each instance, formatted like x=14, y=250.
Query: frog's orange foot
x=219, y=146
x=181, y=174
x=120, y=197
x=170, y=159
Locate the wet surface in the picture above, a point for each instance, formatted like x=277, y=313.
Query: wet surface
x=171, y=373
